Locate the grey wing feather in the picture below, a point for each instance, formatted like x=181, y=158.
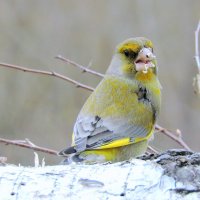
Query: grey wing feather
x=90, y=132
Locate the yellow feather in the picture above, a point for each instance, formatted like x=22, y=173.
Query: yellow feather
x=116, y=100
x=124, y=142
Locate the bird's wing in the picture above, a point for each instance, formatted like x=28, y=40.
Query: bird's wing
x=93, y=132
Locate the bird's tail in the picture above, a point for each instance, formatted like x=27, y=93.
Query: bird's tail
x=67, y=151
x=71, y=156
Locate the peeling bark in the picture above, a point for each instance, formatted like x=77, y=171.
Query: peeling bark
x=172, y=175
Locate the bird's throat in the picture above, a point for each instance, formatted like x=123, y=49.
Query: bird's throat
x=141, y=76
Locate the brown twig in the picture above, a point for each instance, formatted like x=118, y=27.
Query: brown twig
x=152, y=150
x=27, y=144
x=48, y=73
x=176, y=137
x=84, y=69
x=170, y=134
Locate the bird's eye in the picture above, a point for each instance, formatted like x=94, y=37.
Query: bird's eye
x=126, y=53
x=130, y=54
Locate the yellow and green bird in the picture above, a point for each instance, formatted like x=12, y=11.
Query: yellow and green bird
x=118, y=118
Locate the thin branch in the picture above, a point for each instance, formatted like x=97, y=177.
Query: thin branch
x=48, y=73
x=196, y=79
x=170, y=134
x=152, y=150
x=197, y=46
x=29, y=145
x=176, y=137
x=84, y=69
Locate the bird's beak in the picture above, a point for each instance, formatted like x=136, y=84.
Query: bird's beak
x=144, y=60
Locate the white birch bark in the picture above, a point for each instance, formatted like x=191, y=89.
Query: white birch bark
x=168, y=176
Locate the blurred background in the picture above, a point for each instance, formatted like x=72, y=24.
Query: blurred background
x=43, y=109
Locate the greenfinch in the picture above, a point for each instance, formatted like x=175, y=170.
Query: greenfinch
x=118, y=119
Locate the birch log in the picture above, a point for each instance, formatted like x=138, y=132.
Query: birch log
x=172, y=175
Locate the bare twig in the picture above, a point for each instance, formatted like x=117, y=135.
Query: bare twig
x=152, y=150
x=29, y=142
x=174, y=136
x=84, y=69
x=196, y=79
x=197, y=46
x=29, y=145
x=48, y=73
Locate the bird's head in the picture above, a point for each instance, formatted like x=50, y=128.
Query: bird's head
x=134, y=55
